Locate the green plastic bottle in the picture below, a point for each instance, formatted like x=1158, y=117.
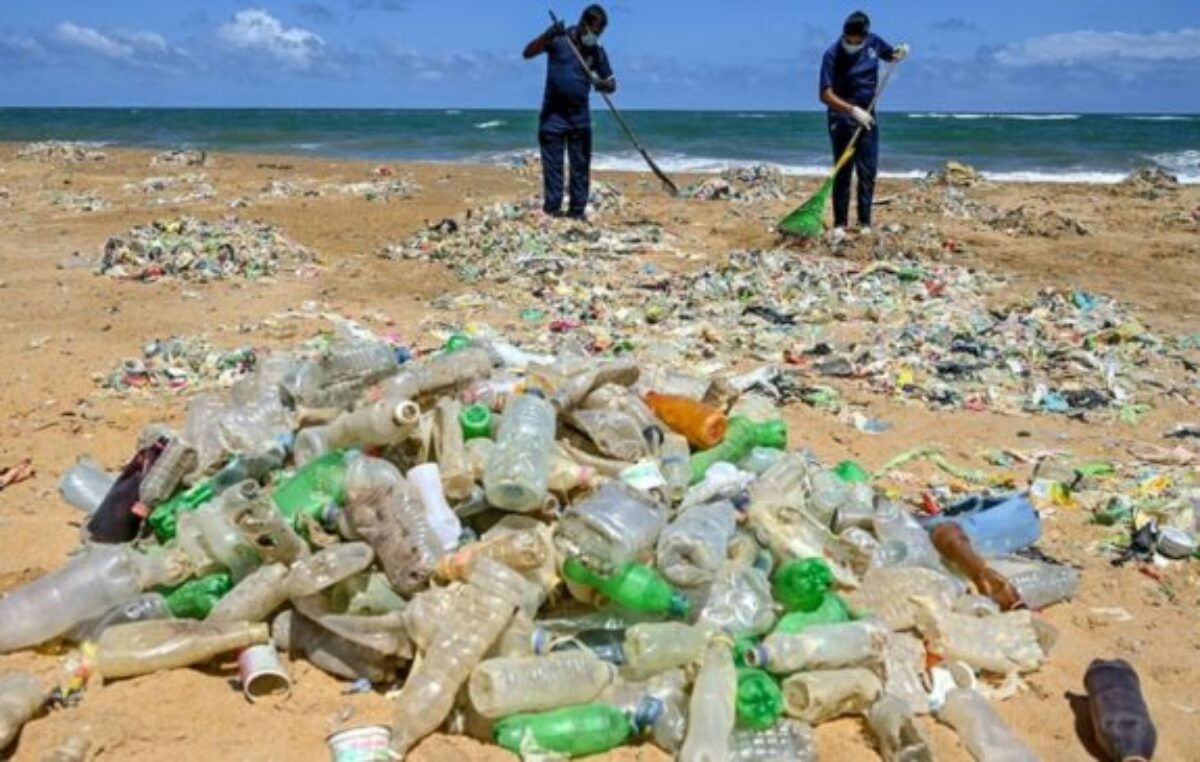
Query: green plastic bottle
x=633, y=586
x=476, y=422
x=164, y=520
x=319, y=484
x=741, y=436
x=851, y=473
x=195, y=598
x=759, y=699
x=576, y=731
x=801, y=585
x=833, y=610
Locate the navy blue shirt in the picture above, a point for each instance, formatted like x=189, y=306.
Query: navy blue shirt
x=854, y=77
x=567, y=85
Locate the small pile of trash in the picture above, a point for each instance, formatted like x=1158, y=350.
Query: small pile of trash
x=180, y=363
x=516, y=244
x=180, y=158
x=955, y=175
x=81, y=202
x=1150, y=183
x=379, y=189
x=194, y=186
x=589, y=551
x=190, y=249
x=1023, y=222
x=745, y=185
x=60, y=150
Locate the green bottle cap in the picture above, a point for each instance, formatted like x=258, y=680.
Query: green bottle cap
x=457, y=342
x=759, y=700
x=681, y=607
x=476, y=422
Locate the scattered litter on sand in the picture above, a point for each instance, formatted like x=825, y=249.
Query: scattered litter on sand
x=57, y=150
x=180, y=158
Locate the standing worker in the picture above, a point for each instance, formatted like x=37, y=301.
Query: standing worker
x=849, y=79
x=566, y=120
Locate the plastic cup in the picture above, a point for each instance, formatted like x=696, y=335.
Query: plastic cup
x=369, y=743
x=263, y=674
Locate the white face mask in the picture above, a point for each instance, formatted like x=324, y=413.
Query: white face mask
x=589, y=39
x=853, y=48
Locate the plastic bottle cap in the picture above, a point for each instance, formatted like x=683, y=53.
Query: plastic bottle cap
x=476, y=421
x=680, y=606
x=757, y=656
x=647, y=712
x=540, y=641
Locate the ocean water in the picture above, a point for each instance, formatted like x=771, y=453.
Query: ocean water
x=1007, y=147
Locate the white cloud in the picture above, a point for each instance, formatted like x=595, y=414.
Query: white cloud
x=21, y=46
x=1103, y=50
x=134, y=48
x=257, y=31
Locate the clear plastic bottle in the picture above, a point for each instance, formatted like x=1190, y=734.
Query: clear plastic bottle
x=825, y=646
x=457, y=477
x=429, y=693
x=654, y=647
x=386, y=422
x=788, y=741
x=141, y=648
x=496, y=579
x=325, y=569
x=382, y=633
x=255, y=598
x=1038, y=584
x=615, y=433
x=518, y=470
x=694, y=546
x=178, y=460
x=249, y=509
x=899, y=737
x=904, y=542
x=572, y=390
x=437, y=374
x=739, y=602
x=904, y=674
x=382, y=512
x=1001, y=643
x=615, y=525
x=888, y=592
x=341, y=373
x=85, y=485
x=827, y=494
x=981, y=730
x=826, y=694
x=21, y=696
x=300, y=637
x=143, y=608
x=493, y=392
x=425, y=486
x=674, y=460
x=87, y=587
x=504, y=686
x=760, y=460
x=712, y=710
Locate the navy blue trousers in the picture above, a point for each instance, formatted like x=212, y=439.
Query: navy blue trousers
x=555, y=139
x=864, y=166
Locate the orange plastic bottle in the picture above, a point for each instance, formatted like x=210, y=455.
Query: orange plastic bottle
x=702, y=425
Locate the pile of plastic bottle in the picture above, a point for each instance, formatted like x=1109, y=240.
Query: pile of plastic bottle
x=590, y=551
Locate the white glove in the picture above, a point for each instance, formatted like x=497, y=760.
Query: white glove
x=900, y=52
x=863, y=117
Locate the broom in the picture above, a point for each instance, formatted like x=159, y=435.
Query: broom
x=808, y=221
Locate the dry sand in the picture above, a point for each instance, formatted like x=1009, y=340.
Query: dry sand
x=60, y=326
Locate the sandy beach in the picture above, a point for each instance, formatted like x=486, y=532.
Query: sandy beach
x=65, y=326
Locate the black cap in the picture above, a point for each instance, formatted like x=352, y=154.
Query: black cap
x=857, y=23
x=595, y=14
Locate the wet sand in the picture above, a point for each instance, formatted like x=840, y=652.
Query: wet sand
x=63, y=326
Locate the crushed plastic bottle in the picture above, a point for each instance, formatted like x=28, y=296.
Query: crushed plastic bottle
x=504, y=686
x=614, y=526
x=824, y=694
x=577, y=731
x=788, y=741
x=141, y=648
x=713, y=708
x=828, y=646
x=21, y=697
x=981, y=730
x=85, y=485
x=652, y=647
x=899, y=737
x=693, y=547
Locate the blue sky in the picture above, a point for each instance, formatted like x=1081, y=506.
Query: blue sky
x=1049, y=55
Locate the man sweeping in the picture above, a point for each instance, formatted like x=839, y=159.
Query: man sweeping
x=566, y=119
x=849, y=80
